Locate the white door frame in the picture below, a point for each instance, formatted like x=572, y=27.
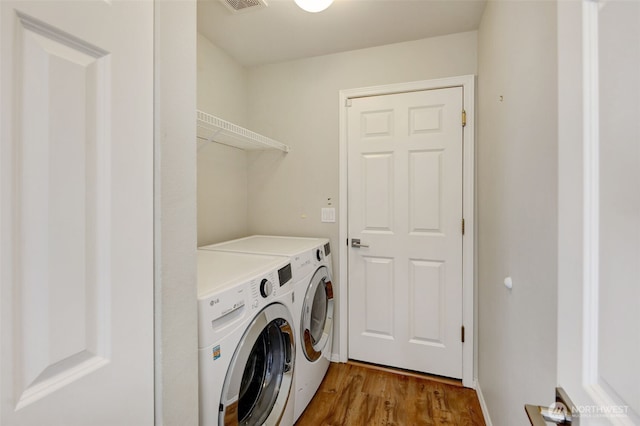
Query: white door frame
x=578, y=215
x=468, y=189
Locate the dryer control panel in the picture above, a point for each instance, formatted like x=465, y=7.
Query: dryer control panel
x=303, y=264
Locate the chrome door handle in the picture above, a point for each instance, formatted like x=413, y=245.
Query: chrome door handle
x=539, y=416
x=355, y=242
x=560, y=413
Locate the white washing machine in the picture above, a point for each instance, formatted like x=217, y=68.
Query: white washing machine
x=246, y=339
x=313, y=303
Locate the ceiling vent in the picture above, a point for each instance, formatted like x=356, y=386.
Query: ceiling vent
x=240, y=6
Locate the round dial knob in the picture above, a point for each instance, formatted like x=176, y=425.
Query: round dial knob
x=319, y=254
x=265, y=287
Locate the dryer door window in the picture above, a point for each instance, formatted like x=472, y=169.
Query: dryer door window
x=317, y=314
x=259, y=378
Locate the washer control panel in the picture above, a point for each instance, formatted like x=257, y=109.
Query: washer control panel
x=265, y=288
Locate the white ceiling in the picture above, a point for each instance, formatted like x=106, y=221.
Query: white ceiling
x=282, y=31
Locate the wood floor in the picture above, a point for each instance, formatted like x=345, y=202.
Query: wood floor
x=353, y=394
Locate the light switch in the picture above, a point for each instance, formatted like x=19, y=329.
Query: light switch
x=329, y=214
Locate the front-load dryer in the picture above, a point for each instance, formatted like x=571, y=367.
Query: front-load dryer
x=246, y=339
x=313, y=303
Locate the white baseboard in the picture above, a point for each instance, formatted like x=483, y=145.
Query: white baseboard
x=483, y=404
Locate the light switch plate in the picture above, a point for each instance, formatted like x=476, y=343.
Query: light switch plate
x=329, y=214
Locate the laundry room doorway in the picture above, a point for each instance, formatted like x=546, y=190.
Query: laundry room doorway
x=409, y=190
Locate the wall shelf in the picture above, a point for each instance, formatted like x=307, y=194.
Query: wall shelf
x=214, y=129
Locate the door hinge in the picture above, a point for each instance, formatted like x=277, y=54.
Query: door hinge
x=347, y=102
x=464, y=118
x=462, y=334
x=462, y=226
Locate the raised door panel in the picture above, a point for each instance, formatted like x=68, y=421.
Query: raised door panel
x=60, y=245
x=425, y=119
x=425, y=192
x=378, y=192
x=426, y=302
x=377, y=124
x=379, y=297
x=76, y=213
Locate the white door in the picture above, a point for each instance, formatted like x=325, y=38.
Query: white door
x=599, y=208
x=405, y=207
x=76, y=213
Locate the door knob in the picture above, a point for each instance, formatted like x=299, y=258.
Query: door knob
x=355, y=242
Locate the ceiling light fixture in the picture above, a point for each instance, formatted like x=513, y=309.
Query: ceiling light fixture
x=314, y=5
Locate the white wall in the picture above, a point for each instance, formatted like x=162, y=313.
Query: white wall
x=296, y=102
x=222, y=83
x=222, y=170
x=176, y=330
x=517, y=184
